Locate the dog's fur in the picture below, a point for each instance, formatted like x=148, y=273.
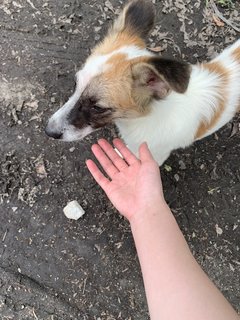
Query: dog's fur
x=167, y=103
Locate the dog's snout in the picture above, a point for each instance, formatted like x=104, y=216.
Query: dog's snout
x=53, y=134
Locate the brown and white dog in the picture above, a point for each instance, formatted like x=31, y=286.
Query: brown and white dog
x=168, y=104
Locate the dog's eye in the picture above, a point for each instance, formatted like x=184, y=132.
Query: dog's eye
x=97, y=109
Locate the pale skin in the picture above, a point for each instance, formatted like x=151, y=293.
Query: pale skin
x=176, y=286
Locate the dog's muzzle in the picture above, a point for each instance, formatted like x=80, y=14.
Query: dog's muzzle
x=52, y=133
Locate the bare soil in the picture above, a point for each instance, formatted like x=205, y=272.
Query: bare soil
x=52, y=268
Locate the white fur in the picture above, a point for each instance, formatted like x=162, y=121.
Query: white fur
x=70, y=133
x=233, y=89
x=135, y=52
x=173, y=122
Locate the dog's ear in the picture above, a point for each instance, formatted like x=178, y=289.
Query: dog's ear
x=156, y=77
x=137, y=18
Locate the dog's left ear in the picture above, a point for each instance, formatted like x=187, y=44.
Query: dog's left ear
x=137, y=18
x=156, y=77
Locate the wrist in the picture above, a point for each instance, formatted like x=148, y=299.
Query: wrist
x=160, y=209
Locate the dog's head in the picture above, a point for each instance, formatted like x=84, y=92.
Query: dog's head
x=120, y=78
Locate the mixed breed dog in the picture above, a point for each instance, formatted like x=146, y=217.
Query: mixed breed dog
x=167, y=103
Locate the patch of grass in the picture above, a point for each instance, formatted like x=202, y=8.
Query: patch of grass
x=224, y=3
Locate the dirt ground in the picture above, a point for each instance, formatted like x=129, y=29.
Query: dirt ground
x=52, y=268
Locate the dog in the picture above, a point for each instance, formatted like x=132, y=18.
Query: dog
x=168, y=104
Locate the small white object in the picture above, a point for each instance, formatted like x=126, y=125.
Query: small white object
x=118, y=152
x=218, y=230
x=73, y=210
x=72, y=149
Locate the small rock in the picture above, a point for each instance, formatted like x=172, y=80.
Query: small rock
x=176, y=177
x=97, y=29
x=235, y=226
x=73, y=210
x=72, y=149
x=182, y=165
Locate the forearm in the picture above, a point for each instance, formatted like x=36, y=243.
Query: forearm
x=176, y=287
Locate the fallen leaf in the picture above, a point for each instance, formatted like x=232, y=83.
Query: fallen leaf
x=217, y=21
x=109, y=5
x=167, y=168
x=235, y=129
x=41, y=171
x=40, y=168
x=211, y=191
x=156, y=49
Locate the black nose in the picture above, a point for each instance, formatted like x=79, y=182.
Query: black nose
x=53, y=134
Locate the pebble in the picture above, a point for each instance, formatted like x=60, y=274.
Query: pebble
x=73, y=210
x=72, y=149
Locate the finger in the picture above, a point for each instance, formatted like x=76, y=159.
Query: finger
x=144, y=153
x=125, y=152
x=119, y=163
x=105, y=162
x=97, y=174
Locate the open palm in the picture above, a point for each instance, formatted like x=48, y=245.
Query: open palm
x=134, y=184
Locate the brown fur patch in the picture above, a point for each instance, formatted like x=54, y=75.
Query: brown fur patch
x=118, y=58
x=222, y=72
x=204, y=127
x=117, y=89
x=117, y=40
x=236, y=54
x=216, y=67
x=128, y=96
x=119, y=80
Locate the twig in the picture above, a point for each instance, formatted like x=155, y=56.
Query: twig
x=31, y=4
x=4, y=236
x=84, y=285
x=218, y=13
x=34, y=314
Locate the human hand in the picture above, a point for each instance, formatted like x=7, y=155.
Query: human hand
x=135, y=185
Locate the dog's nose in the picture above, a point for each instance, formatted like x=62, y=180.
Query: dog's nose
x=53, y=134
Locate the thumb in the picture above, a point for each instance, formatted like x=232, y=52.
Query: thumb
x=144, y=153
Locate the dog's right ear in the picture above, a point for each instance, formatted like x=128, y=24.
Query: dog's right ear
x=137, y=19
x=157, y=77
